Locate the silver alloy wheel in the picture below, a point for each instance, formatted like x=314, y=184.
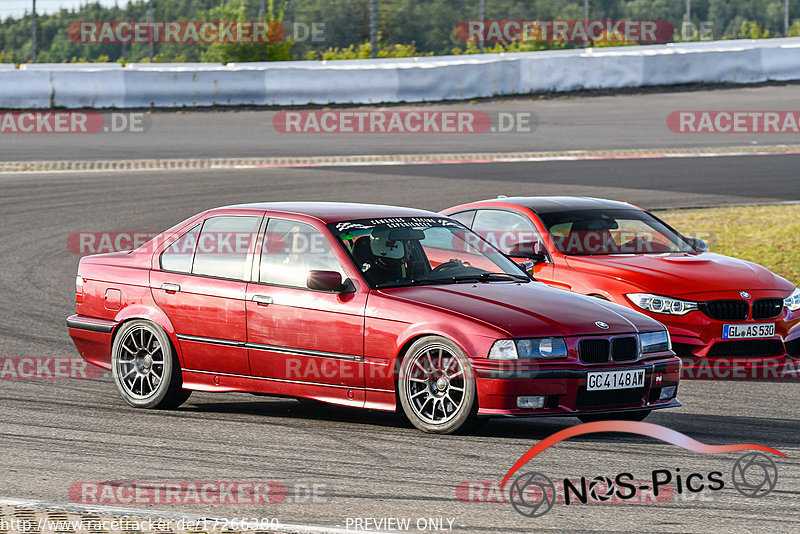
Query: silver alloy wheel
x=435, y=384
x=140, y=362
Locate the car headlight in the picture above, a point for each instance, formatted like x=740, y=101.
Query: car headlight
x=531, y=348
x=655, y=341
x=793, y=301
x=659, y=304
x=503, y=349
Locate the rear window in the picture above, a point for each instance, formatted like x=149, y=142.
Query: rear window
x=178, y=257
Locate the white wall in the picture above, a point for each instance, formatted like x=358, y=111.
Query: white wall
x=396, y=80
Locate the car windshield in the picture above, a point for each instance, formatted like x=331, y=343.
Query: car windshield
x=407, y=251
x=611, y=231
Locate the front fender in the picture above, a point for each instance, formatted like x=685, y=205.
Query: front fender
x=474, y=345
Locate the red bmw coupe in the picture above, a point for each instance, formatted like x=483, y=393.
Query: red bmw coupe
x=715, y=307
x=365, y=306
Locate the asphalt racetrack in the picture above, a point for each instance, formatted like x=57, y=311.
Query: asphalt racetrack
x=56, y=433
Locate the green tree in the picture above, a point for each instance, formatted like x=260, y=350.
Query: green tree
x=753, y=30
x=241, y=52
x=405, y=26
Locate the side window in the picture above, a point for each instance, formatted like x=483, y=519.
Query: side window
x=464, y=217
x=505, y=230
x=179, y=255
x=223, y=245
x=561, y=230
x=292, y=249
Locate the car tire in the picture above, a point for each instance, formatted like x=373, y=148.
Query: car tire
x=145, y=368
x=436, y=387
x=637, y=415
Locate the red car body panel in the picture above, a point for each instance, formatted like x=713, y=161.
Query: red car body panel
x=702, y=276
x=343, y=348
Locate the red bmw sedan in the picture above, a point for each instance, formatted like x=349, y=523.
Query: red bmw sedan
x=716, y=308
x=367, y=306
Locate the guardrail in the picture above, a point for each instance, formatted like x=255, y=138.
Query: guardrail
x=425, y=79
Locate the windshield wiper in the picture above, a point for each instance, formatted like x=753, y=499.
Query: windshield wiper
x=478, y=277
x=489, y=277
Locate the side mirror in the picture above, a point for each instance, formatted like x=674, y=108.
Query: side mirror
x=325, y=281
x=527, y=266
x=698, y=244
x=531, y=251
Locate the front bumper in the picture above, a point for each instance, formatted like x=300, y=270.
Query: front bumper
x=564, y=387
x=696, y=338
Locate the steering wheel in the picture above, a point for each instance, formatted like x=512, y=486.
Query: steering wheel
x=449, y=264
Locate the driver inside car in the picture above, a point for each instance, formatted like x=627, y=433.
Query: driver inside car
x=388, y=264
x=383, y=260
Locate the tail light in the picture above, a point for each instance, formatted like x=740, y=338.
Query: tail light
x=79, y=281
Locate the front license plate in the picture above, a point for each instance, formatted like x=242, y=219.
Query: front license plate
x=744, y=331
x=629, y=378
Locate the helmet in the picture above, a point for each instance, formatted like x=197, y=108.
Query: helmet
x=382, y=247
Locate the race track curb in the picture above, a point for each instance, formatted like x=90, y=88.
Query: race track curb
x=387, y=159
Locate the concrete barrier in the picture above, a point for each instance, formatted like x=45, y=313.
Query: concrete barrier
x=70, y=66
x=81, y=85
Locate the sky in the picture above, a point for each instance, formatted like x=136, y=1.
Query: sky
x=17, y=8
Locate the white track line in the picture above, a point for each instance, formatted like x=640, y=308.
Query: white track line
x=193, y=164
x=509, y=159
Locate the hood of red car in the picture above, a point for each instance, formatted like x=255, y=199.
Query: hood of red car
x=529, y=310
x=684, y=274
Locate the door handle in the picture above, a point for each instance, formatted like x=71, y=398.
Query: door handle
x=170, y=288
x=262, y=300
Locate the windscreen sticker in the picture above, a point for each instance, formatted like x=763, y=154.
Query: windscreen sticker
x=397, y=222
